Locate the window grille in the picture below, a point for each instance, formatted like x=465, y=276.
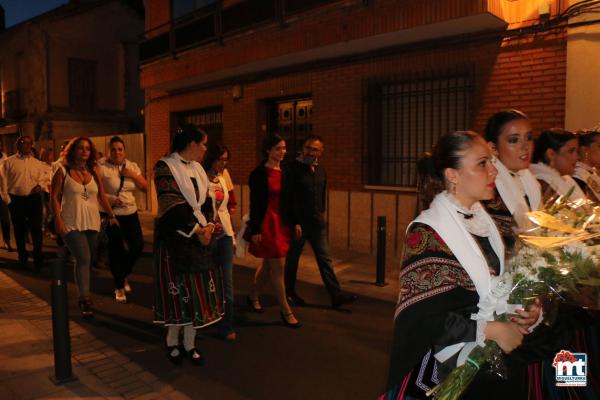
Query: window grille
x=403, y=118
x=210, y=120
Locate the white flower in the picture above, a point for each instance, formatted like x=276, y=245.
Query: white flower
x=501, y=285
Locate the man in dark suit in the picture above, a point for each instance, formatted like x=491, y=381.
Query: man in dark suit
x=307, y=194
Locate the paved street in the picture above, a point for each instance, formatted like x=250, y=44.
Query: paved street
x=336, y=355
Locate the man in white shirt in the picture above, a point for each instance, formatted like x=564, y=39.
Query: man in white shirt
x=22, y=176
x=4, y=214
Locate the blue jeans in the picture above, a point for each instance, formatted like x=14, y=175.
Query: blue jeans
x=82, y=245
x=318, y=241
x=225, y=259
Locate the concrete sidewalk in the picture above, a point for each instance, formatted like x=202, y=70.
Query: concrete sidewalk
x=27, y=360
x=355, y=271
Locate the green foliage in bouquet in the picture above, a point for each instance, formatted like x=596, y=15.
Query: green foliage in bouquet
x=461, y=377
x=542, y=270
x=560, y=203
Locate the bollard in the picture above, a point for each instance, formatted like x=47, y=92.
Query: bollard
x=60, y=326
x=381, y=236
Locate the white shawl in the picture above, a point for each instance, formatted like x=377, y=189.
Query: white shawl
x=587, y=174
x=514, y=194
x=443, y=216
x=181, y=172
x=560, y=184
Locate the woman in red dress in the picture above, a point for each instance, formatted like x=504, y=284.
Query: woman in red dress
x=270, y=234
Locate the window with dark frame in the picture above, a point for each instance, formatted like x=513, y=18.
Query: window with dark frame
x=179, y=8
x=404, y=117
x=209, y=119
x=292, y=120
x=83, y=85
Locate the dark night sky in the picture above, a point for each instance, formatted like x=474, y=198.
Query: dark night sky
x=21, y=10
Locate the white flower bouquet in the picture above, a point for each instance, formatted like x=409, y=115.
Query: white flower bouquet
x=556, y=260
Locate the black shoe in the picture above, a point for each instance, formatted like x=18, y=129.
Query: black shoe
x=294, y=300
x=254, y=305
x=175, y=359
x=288, y=323
x=342, y=298
x=195, y=357
x=85, y=305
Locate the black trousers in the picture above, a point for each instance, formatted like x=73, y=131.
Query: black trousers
x=5, y=221
x=125, y=245
x=26, y=214
x=318, y=241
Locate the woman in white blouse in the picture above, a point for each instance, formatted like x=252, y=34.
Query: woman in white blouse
x=121, y=177
x=77, y=193
x=47, y=158
x=217, y=157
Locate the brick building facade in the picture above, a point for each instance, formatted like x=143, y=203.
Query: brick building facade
x=379, y=80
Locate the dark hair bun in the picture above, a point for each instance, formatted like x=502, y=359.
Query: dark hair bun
x=447, y=153
x=186, y=134
x=496, y=123
x=586, y=137
x=554, y=139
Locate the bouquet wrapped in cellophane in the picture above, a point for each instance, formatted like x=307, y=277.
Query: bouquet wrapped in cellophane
x=556, y=260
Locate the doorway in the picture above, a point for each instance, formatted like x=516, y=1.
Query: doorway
x=292, y=120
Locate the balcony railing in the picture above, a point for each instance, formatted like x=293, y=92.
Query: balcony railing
x=14, y=104
x=213, y=23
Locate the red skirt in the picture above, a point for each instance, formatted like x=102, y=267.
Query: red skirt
x=275, y=240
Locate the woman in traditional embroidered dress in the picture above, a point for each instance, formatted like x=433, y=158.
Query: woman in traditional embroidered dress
x=517, y=192
x=581, y=329
x=214, y=165
x=555, y=157
x=586, y=169
x=270, y=238
x=77, y=192
x=188, y=285
x=451, y=252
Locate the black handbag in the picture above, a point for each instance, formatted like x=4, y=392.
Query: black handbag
x=188, y=255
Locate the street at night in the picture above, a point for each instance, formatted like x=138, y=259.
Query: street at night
x=300, y=199
x=337, y=354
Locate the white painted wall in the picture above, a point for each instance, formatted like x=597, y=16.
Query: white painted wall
x=582, y=107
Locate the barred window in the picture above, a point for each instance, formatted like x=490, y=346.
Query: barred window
x=209, y=119
x=405, y=116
